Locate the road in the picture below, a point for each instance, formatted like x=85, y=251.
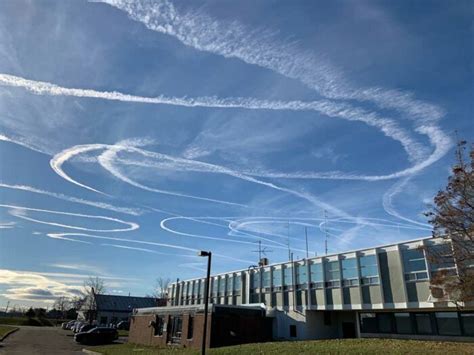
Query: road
x=40, y=340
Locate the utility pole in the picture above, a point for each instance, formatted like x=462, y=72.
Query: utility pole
x=306, y=235
x=6, y=309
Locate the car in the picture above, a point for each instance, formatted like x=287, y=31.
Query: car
x=77, y=326
x=86, y=327
x=99, y=335
x=123, y=325
x=70, y=324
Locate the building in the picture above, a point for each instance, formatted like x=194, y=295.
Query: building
x=375, y=292
x=183, y=325
x=106, y=309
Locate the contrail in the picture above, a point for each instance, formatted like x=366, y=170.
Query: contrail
x=102, y=205
x=14, y=209
x=333, y=109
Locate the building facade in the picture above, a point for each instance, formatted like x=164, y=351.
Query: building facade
x=375, y=292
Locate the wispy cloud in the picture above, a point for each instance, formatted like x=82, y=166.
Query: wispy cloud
x=20, y=212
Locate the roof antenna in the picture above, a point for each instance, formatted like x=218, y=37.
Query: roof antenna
x=262, y=251
x=326, y=232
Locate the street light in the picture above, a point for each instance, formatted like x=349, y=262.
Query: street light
x=206, y=297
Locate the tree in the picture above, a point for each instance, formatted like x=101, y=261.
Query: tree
x=62, y=304
x=161, y=288
x=92, y=286
x=452, y=217
x=30, y=313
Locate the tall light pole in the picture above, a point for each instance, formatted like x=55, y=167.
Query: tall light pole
x=206, y=298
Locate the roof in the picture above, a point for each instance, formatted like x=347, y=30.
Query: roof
x=123, y=303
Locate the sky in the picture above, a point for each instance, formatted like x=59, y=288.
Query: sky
x=135, y=133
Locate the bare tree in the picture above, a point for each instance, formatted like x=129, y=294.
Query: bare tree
x=62, y=304
x=452, y=217
x=94, y=285
x=161, y=287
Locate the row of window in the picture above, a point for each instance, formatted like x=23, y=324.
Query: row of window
x=351, y=271
x=347, y=272
x=434, y=323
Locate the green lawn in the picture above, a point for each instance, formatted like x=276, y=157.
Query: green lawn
x=4, y=329
x=347, y=346
x=123, y=333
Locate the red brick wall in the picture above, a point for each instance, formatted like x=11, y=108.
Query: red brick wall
x=142, y=333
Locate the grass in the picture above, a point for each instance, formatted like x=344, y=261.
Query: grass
x=25, y=321
x=123, y=333
x=345, y=346
x=4, y=329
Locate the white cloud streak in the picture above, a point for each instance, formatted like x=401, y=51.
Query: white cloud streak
x=20, y=212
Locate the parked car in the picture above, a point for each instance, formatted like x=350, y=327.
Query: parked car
x=70, y=324
x=99, y=335
x=77, y=326
x=123, y=325
x=86, y=327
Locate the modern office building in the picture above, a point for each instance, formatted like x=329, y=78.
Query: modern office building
x=375, y=292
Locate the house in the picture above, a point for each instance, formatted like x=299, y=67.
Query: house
x=183, y=325
x=106, y=309
x=382, y=291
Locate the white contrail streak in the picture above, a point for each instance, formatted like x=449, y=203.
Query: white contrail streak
x=333, y=109
x=172, y=246
x=102, y=205
x=14, y=211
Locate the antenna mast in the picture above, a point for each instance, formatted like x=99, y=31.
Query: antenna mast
x=289, y=250
x=326, y=232
x=306, y=235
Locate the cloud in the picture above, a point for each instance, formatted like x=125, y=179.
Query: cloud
x=103, y=205
x=21, y=212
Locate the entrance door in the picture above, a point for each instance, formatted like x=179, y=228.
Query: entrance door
x=348, y=330
x=174, y=329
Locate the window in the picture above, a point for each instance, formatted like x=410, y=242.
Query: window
x=442, y=255
x=301, y=276
x=292, y=331
x=327, y=318
x=448, y=323
x=414, y=264
x=255, y=282
x=196, y=288
x=190, y=326
x=423, y=323
x=350, y=275
x=332, y=274
x=368, y=323
x=317, y=277
x=214, y=287
x=237, y=283
x=158, y=331
x=385, y=322
x=287, y=276
x=221, y=286
x=403, y=323
x=276, y=279
x=202, y=288
x=468, y=323
x=368, y=270
x=266, y=278
x=230, y=280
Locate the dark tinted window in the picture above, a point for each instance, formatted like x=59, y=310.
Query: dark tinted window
x=448, y=323
x=403, y=323
x=190, y=327
x=293, y=331
x=368, y=323
x=468, y=323
x=423, y=323
x=385, y=322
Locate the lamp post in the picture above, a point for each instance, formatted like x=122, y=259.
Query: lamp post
x=206, y=298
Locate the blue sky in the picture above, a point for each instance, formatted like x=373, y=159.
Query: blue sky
x=134, y=133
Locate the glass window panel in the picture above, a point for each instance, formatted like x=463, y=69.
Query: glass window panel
x=316, y=272
x=287, y=276
x=332, y=270
x=203, y=285
x=214, y=286
x=368, y=323
x=229, y=283
x=442, y=256
x=237, y=283
x=349, y=269
x=413, y=260
x=266, y=278
x=423, y=323
x=385, y=322
x=368, y=266
x=468, y=323
x=276, y=278
x=256, y=279
x=196, y=288
x=448, y=323
x=221, y=285
x=368, y=260
x=403, y=323
x=301, y=276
